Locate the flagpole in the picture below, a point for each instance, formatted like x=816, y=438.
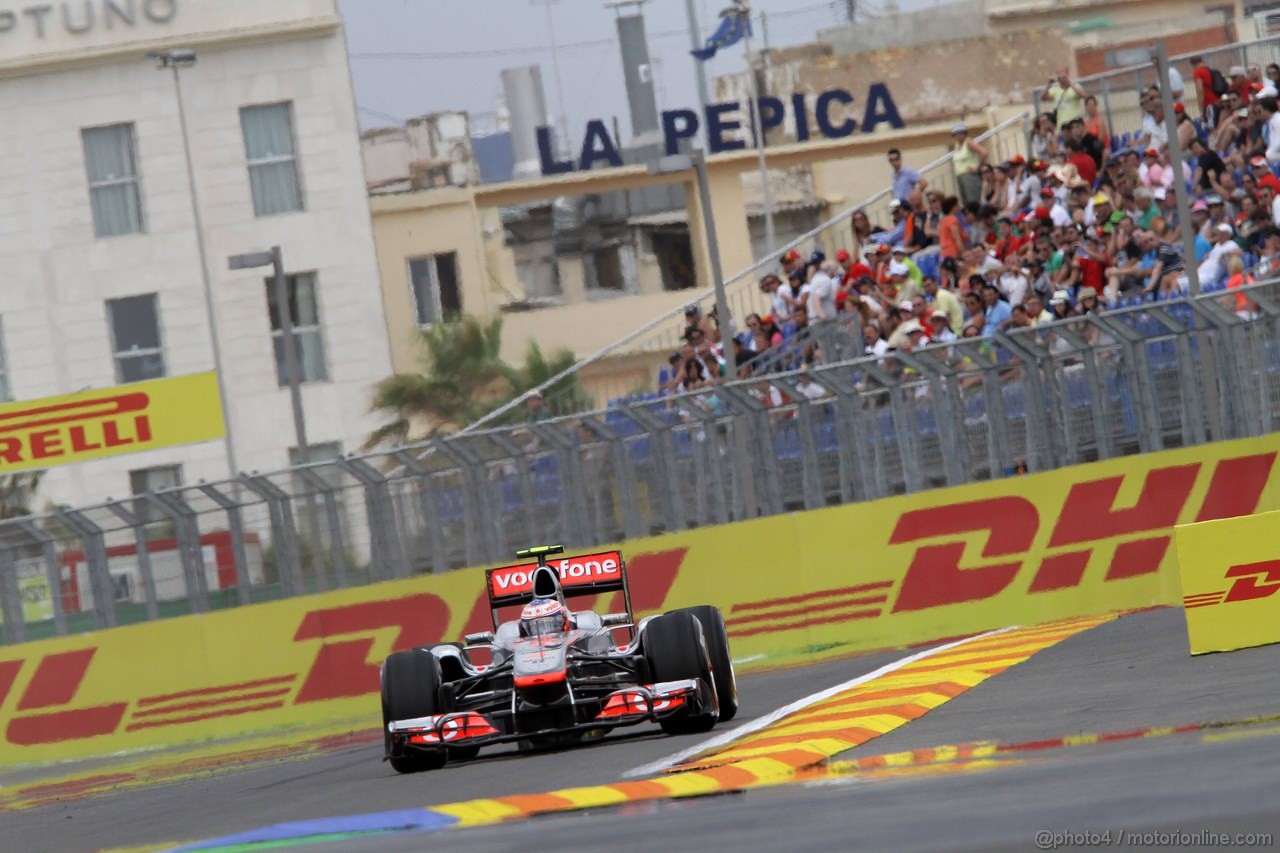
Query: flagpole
x=695, y=38
x=754, y=109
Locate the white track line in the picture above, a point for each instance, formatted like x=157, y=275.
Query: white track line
x=769, y=719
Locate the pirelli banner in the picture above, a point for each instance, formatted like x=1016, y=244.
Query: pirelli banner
x=885, y=574
x=109, y=422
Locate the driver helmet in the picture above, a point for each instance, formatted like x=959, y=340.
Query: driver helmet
x=543, y=616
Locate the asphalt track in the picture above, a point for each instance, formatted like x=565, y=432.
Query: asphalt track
x=1128, y=674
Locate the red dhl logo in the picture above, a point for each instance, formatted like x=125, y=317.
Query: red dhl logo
x=1089, y=518
x=1253, y=581
x=69, y=429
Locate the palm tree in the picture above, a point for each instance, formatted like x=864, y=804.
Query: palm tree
x=463, y=378
x=16, y=492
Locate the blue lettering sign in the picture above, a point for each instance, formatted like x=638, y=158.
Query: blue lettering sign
x=718, y=125
x=597, y=145
x=550, y=166
x=678, y=125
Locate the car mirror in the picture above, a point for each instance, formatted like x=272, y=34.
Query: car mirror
x=479, y=638
x=614, y=620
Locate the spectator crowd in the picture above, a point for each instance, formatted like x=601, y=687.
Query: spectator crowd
x=1088, y=222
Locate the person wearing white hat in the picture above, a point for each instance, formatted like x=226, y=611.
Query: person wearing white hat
x=1213, y=267
x=966, y=158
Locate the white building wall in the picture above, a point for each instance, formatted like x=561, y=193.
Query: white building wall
x=55, y=275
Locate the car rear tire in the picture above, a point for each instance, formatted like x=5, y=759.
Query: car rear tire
x=717, y=638
x=410, y=689
x=675, y=649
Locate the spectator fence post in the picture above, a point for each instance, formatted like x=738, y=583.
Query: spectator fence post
x=528, y=497
x=764, y=495
x=187, y=533
x=905, y=436
x=473, y=508
x=15, y=620
x=142, y=549
x=95, y=555
x=1225, y=413
x=743, y=489
x=284, y=541
x=623, y=482
x=336, y=556
x=668, y=491
x=573, y=509
x=1133, y=377
x=851, y=436
x=1106, y=111
x=1040, y=388
x=428, y=509
x=53, y=572
x=999, y=445
x=708, y=460
x=948, y=412
x=384, y=531
x=810, y=470
x=235, y=525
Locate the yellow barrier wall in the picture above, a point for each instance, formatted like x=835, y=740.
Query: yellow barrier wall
x=1084, y=540
x=1231, y=582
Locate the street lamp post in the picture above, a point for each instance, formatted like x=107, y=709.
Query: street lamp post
x=175, y=59
x=697, y=161
x=274, y=258
x=293, y=373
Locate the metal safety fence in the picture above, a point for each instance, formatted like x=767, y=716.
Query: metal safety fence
x=1155, y=376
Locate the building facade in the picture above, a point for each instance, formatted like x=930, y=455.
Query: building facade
x=102, y=272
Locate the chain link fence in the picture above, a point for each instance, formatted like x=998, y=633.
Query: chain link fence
x=1135, y=380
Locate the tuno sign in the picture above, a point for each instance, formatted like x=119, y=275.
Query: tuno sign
x=728, y=125
x=84, y=16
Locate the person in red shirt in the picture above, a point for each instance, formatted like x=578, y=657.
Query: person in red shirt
x=1092, y=262
x=1005, y=242
x=1241, y=84
x=1205, y=96
x=853, y=269
x=1087, y=169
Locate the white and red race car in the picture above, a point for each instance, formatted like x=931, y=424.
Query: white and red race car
x=554, y=675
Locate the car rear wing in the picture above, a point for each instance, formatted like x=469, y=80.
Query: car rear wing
x=582, y=575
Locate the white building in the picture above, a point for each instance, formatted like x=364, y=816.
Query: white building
x=100, y=278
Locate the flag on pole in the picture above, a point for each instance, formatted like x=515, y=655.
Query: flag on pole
x=733, y=26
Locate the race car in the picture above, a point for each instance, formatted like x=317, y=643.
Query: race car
x=555, y=676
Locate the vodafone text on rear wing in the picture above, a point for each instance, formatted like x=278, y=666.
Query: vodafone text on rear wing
x=585, y=574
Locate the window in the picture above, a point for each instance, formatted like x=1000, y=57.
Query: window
x=5, y=394
x=113, y=180
x=433, y=280
x=135, y=338
x=273, y=162
x=145, y=480
x=304, y=313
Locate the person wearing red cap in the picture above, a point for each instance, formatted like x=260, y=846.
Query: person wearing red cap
x=853, y=269
x=1261, y=171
